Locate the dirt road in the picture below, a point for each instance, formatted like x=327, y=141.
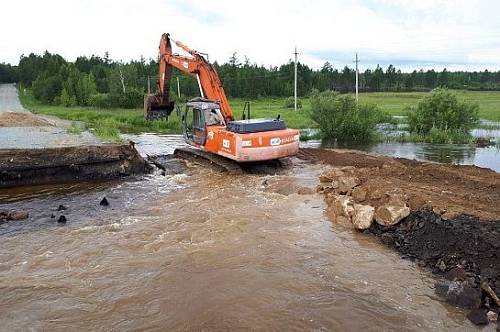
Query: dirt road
x=20, y=129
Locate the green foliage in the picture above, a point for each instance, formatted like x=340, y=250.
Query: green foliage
x=8, y=73
x=339, y=117
x=47, y=87
x=290, y=102
x=442, y=110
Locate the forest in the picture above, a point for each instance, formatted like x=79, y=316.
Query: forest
x=102, y=82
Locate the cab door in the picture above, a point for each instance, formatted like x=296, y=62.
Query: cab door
x=193, y=124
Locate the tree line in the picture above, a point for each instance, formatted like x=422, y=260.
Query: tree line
x=102, y=82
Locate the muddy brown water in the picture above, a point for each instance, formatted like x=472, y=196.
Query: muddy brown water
x=203, y=251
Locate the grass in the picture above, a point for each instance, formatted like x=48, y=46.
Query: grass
x=394, y=103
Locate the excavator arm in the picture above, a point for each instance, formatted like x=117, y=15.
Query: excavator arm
x=197, y=66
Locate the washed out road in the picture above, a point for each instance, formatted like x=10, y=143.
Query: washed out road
x=20, y=129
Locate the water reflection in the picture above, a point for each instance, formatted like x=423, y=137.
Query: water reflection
x=462, y=154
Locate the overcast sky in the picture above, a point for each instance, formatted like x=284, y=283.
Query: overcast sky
x=460, y=34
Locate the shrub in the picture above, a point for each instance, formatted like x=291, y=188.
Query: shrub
x=442, y=110
x=290, y=102
x=133, y=98
x=339, y=117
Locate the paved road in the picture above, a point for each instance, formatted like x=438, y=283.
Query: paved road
x=35, y=137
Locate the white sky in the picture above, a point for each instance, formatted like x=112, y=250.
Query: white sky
x=460, y=34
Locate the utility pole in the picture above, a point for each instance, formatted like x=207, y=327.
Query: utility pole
x=295, y=85
x=178, y=87
x=149, y=85
x=357, y=77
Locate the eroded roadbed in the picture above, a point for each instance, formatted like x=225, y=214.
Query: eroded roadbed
x=21, y=167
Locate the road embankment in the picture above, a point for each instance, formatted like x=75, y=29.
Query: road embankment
x=25, y=167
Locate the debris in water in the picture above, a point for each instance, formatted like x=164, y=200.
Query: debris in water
x=61, y=207
x=62, y=219
x=13, y=215
x=104, y=202
x=52, y=216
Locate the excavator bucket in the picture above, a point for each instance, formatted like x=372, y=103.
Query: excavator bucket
x=158, y=106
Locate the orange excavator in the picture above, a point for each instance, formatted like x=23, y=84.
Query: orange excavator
x=208, y=122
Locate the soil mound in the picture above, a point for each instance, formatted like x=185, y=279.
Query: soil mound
x=451, y=189
x=14, y=119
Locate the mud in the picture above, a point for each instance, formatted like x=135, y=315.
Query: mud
x=451, y=190
x=21, y=167
x=12, y=119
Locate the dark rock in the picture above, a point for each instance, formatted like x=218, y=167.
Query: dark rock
x=104, y=202
x=464, y=295
x=62, y=219
x=457, y=273
x=52, y=216
x=61, y=208
x=441, y=287
x=478, y=317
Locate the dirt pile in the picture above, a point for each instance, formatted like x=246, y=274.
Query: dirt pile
x=465, y=250
x=450, y=189
x=15, y=119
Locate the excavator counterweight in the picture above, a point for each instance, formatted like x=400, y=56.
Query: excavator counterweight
x=208, y=122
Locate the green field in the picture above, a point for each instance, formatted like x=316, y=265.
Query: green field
x=108, y=123
x=395, y=103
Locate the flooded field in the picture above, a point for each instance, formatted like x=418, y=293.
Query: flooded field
x=203, y=251
x=460, y=154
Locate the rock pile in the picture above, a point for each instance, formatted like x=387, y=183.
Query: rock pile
x=351, y=202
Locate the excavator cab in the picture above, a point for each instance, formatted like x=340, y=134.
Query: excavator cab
x=199, y=113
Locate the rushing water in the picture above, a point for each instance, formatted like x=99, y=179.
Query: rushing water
x=202, y=251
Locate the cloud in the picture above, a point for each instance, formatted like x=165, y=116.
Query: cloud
x=461, y=34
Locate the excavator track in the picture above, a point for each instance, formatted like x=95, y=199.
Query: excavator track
x=207, y=158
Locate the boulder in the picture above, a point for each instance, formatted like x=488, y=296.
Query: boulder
x=346, y=183
x=388, y=214
x=478, y=317
x=359, y=194
x=362, y=217
x=340, y=209
x=331, y=175
x=492, y=316
x=459, y=293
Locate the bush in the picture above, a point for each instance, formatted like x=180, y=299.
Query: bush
x=290, y=102
x=133, y=98
x=339, y=117
x=442, y=110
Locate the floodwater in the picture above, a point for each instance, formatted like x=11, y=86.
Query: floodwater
x=203, y=251
x=460, y=154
